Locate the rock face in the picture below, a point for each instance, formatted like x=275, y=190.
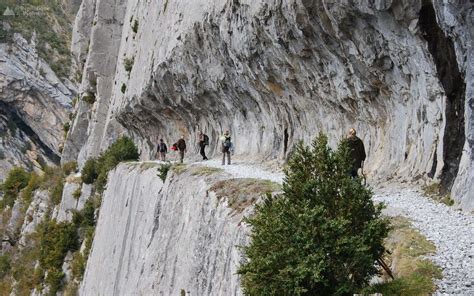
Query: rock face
x=159, y=239
x=34, y=105
x=276, y=72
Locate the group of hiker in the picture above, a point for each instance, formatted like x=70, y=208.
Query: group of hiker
x=180, y=147
x=355, y=144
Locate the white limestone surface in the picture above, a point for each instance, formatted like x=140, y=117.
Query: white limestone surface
x=159, y=239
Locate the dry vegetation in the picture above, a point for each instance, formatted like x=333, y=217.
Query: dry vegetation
x=414, y=274
x=205, y=171
x=241, y=193
x=434, y=191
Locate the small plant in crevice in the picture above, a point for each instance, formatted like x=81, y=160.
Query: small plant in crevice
x=135, y=26
x=128, y=64
x=69, y=167
x=77, y=193
x=89, y=98
x=66, y=127
x=71, y=116
x=163, y=171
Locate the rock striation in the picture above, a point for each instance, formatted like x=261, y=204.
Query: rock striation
x=276, y=72
x=161, y=239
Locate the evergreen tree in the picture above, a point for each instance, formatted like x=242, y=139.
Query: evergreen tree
x=322, y=236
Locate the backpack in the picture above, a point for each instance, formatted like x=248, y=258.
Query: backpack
x=206, y=140
x=162, y=147
x=227, y=143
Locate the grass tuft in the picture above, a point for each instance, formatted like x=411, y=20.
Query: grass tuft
x=414, y=274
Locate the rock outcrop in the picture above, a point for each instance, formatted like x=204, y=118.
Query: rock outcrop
x=161, y=239
x=34, y=105
x=276, y=72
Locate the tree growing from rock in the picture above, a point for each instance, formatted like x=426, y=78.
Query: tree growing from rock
x=322, y=236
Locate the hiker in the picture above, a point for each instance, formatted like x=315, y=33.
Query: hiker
x=203, y=142
x=162, y=150
x=226, y=147
x=181, y=144
x=356, y=152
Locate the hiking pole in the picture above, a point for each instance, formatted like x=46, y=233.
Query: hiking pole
x=385, y=267
x=363, y=175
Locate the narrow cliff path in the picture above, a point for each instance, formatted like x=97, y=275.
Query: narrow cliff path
x=452, y=231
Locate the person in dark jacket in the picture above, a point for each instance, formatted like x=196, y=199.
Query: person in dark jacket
x=162, y=150
x=356, y=152
x=181, y=144
x=203, y=142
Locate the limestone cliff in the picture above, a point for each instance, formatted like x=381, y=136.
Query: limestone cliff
x=276, y=72
x=161, y=239
x=34, y=106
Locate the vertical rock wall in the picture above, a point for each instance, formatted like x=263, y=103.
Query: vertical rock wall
x=158, y=239
x=276, y=72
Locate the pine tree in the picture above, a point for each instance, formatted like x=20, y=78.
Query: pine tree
x=322, y=236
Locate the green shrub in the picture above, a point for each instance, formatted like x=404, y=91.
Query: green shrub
x=54, y=280
x=78, y=265
x=33, y=184
x=89, y=98
x=69, y=167
x=56, y=193
x=96, y=171
x=56, y=240
x=66, y=127
x=135, y=26
x=88, y=213
x=85, y=218
x=123, y=88
x=163, y=171
x=77, y=193
x=16, y=180
x=321, y=237
x=5, y=265
x=89, y=171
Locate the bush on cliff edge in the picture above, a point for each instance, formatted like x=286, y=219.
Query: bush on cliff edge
x=96, y=170
x=16, y=180
x=321, y=237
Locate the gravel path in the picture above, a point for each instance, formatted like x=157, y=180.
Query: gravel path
x=238, y=170
x=452, y=231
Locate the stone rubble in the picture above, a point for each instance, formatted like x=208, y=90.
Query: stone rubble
x=451, y=230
